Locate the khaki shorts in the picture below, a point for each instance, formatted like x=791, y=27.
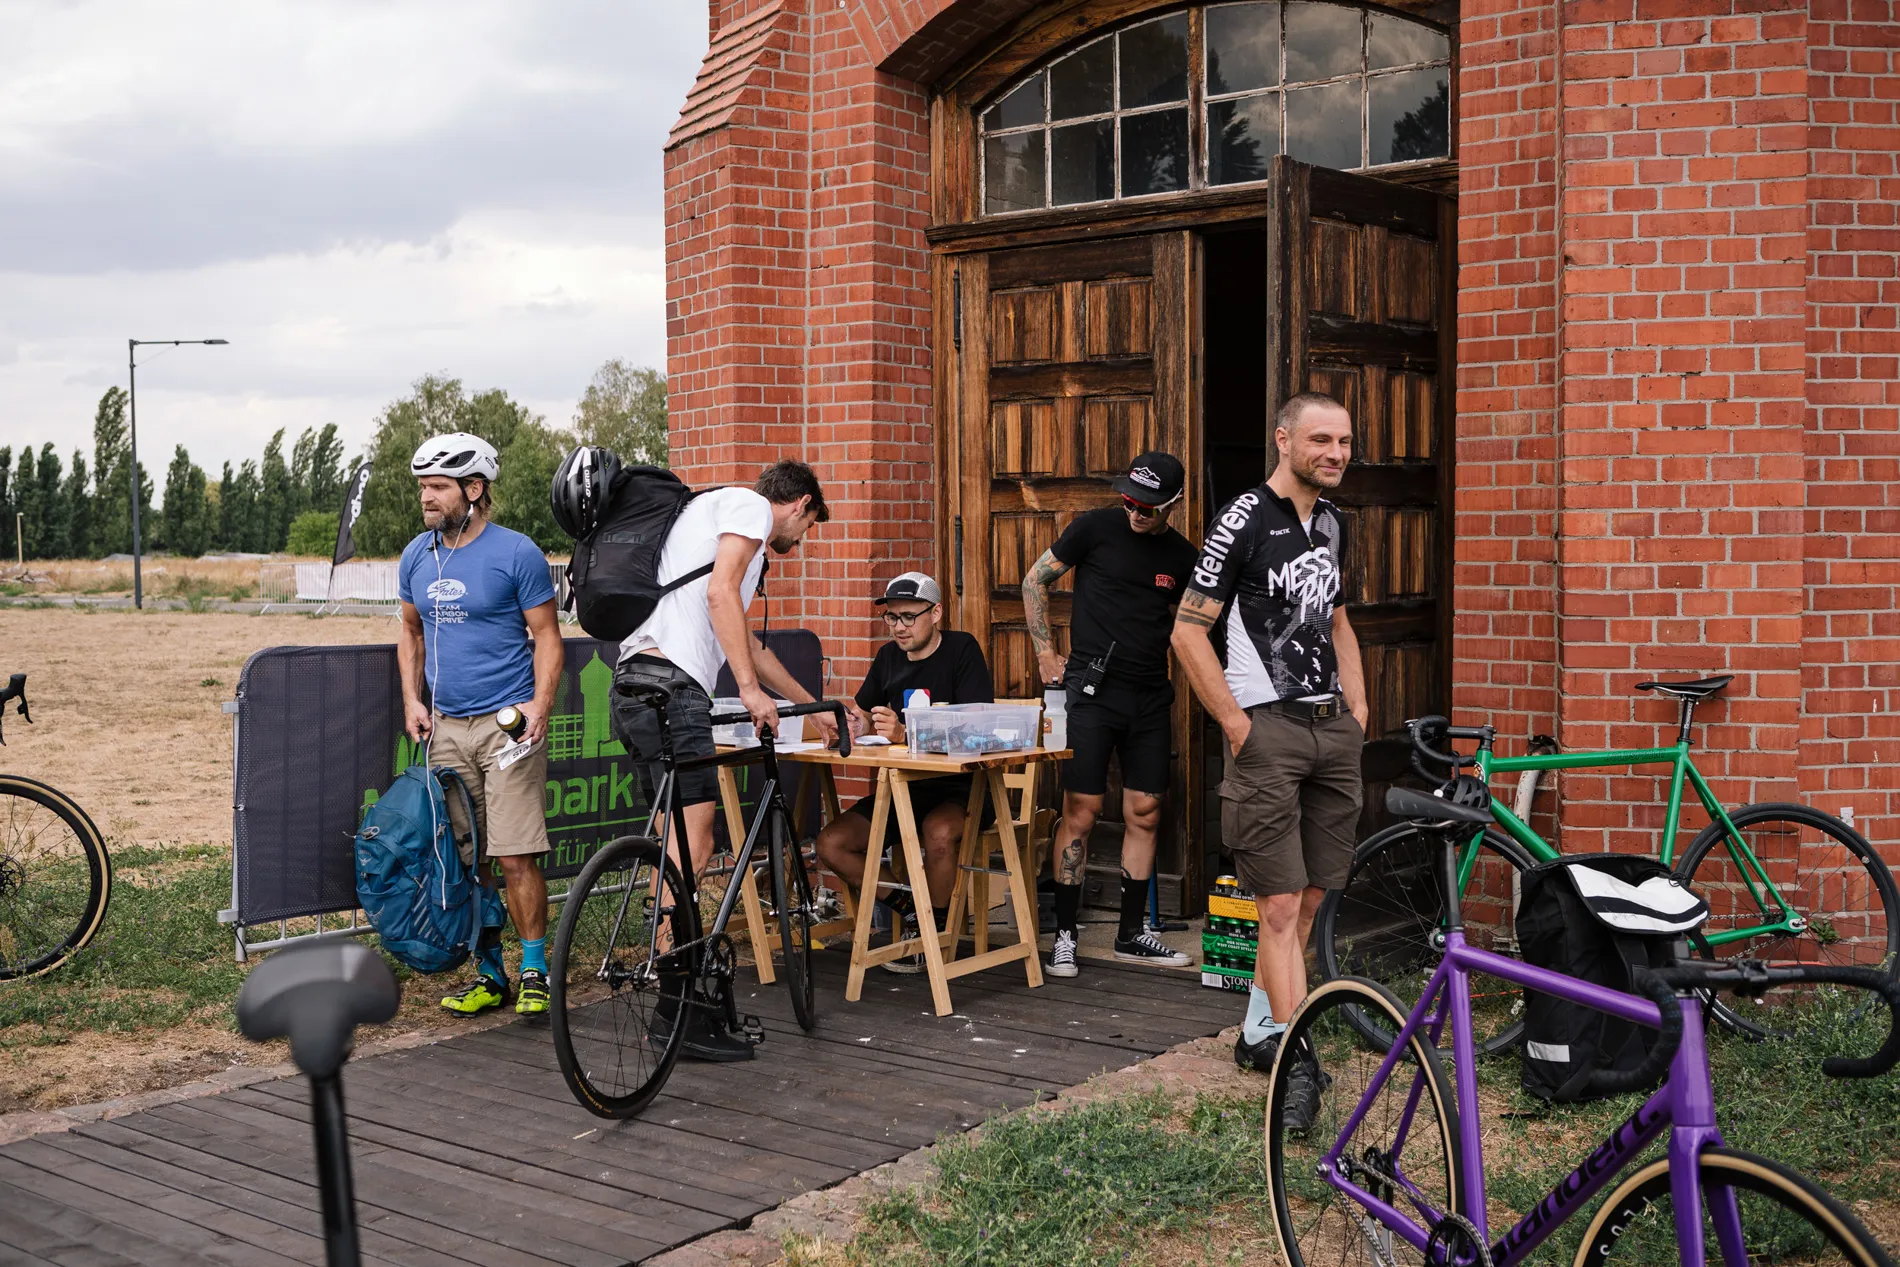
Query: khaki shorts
x=509, y=803
x=1290, y=803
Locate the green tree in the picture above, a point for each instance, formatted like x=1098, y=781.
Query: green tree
x=111, y=463
x=6, y=504
x=50, y=543
x=26, y=501
x=327, y=477
x=274, y=496
x=76, y=497
x=228, y=533
x=521, y=494
x=185, y=516
x=624, y=409
x=300, y=459
x=247, y=521
x=313, y=533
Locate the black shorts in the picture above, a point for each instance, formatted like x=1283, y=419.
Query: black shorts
x=925, y=795
x=688, y=718
x=1136, y=722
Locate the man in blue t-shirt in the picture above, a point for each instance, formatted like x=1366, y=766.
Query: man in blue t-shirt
x=479, y=631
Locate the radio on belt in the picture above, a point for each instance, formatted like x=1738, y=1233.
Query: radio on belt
x=1097, y=671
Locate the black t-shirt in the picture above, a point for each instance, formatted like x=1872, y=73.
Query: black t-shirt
x=1280, y=583
x=1126, y=586
x=955, y=673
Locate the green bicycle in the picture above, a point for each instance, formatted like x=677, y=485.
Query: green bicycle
x=1786, y=884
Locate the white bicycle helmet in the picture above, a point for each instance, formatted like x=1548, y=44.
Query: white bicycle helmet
x=457, y=455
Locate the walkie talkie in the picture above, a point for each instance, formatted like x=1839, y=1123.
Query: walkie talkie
x=1096, y=672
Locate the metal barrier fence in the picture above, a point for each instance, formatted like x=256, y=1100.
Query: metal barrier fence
x=292, y=586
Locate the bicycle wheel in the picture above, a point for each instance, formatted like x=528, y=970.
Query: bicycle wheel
x=1403, y=1150
x=1782, y=1217
x=1822, y=868
x=620, y=1000
x=1385, y=924
x=791, y=896
x=55, y=878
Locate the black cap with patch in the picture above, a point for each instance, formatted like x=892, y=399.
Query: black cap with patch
x=1156, y=479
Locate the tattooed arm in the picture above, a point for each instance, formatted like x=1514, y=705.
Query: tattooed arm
x=1036, y=613
x=1195, y=650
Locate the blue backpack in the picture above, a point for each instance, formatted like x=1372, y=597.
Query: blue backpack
x=421, y=898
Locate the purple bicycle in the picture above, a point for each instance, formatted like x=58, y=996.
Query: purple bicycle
x=1392, y=1172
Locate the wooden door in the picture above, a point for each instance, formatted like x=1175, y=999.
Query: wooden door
x=1063, y=362
x=1364, y=279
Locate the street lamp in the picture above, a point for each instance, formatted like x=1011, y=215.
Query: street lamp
x=132, y=347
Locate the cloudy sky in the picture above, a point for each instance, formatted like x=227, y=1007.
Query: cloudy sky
x=353, y=193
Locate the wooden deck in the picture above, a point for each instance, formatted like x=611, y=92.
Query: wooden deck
x=472, y=1152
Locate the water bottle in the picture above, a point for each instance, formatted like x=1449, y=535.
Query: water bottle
x=1055, y=718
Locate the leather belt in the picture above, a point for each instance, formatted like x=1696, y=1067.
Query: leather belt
x=1307, y=710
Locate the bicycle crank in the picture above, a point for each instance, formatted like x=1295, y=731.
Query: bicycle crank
x=1454, y=1242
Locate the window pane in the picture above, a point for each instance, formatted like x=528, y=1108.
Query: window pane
x=1322, y=40
x=1021, y=106
x=1396, y=42
x=1084, y=83
x=1154, y=62
x=1154, y=152
x=1243, y=135
x=1243, y=47
x=1012, y=172
x=1409, y=116
x=1322, y=124
x=1082, y=162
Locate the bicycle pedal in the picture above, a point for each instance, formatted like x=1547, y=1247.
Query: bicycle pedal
x=752, y=1030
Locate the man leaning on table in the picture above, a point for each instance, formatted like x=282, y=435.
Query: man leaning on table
x=922, y=664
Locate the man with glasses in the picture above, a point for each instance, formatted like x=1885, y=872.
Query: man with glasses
x=1130, y=571
x=922, y=664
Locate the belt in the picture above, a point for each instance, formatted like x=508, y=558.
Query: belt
x=1306, y=710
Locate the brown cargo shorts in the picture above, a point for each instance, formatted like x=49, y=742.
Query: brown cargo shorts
x=510, y=804
x=1290, y=802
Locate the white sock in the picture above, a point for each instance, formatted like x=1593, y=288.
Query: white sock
x=1260, y=1025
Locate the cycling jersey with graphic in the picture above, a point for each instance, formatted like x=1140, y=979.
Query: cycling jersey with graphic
x=1279, y=583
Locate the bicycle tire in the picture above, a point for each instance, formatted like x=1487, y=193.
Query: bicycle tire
x=1630, y=1221
x=1839, y=883
x=1390, y=871
x=613, y=1056
x=791, y=897
x=55, y=878
x=1311, y=1216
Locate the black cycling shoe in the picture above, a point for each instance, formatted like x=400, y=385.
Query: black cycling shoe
x=706, y=1035
x=1306, y=1082
x=1259, y=1056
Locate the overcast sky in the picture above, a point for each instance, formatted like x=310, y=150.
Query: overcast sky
x=354, y=194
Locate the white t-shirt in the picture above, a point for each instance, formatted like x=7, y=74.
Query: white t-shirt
x=680, y=628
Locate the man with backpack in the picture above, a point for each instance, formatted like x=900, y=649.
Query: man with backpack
x=709, y=570
x=479, y=629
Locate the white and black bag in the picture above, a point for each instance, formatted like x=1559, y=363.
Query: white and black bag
x=1596, y=917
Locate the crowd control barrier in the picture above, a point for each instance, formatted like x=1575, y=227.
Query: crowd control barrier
x=319, y=737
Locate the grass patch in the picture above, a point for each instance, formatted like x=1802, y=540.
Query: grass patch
x=1088, y=1185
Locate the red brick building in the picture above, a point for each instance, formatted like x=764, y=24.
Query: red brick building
x=1611, y=289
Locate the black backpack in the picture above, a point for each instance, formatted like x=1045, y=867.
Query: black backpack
x=613, y=579
x=1597, y=917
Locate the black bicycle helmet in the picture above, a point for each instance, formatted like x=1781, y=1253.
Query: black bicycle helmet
x=582, y=484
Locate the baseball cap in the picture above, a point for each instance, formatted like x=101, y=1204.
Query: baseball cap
x=1156, y=479
x=913, y=585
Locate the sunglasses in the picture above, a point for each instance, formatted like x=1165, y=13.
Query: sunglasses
x=904, y=620
x=1141, y=510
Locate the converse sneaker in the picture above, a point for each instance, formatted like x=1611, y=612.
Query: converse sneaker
x=1145, y=947
x=1062, y=958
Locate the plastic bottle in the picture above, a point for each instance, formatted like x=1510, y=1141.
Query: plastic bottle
x=1055, y=718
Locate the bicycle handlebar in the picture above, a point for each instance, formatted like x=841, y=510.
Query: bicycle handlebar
x=1654, y=987
x=1752, y=977
x=1424, y=730
x=15, y=689
x=832, y=706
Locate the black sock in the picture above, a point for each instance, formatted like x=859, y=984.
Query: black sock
x=942, y=917
x=900, y=901
x=1068, y=906
x=1134, y=908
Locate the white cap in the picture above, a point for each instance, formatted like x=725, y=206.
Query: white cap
x=912, y=585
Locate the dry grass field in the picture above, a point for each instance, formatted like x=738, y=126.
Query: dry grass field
x=163, y=577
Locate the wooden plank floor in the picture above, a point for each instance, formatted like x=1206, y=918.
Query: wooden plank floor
x=471, y=1151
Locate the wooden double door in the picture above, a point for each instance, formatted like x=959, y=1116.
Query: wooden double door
x=1059, y=361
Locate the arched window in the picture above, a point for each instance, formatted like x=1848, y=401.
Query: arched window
x=1122, y=116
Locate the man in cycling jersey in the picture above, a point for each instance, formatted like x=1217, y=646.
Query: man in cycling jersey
x=1290, y=695
x=694, y=630
x=479, y=631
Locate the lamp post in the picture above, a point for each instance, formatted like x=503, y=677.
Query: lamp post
x=132, y=347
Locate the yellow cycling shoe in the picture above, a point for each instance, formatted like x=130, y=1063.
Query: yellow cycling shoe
x=479, y=996
x=531, y=999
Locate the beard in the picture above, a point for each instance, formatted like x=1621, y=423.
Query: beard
x=1313, y=475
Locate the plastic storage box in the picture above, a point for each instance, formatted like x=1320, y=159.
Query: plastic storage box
x=744, y=734
x=968, y=729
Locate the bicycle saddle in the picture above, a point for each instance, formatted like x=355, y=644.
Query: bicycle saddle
x=1699, y=689
x=1423, y=808
x=316, y=996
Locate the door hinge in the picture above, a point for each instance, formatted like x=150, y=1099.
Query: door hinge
x=958, y=521
x=956, y=310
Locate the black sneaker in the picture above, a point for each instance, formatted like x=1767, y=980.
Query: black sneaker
x=904, y=930
x=706, y=1035
x=1145, y=947
x=1259, y=1056
x=1306, y=1082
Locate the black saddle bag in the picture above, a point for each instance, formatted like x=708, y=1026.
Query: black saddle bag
x=1596, y=917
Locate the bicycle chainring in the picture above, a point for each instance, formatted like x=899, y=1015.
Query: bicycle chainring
x=1455, y=1242
x=12, y=876
x=719, y=965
